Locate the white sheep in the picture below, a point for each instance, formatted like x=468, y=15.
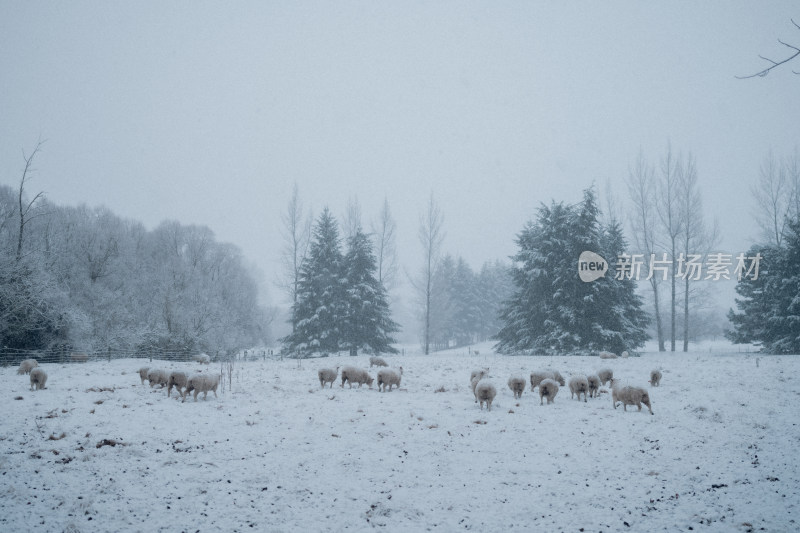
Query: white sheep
x=485, y=392
x=537, y=376
x=352, y=375
x=655, y=378
x=27, y=365
x=156, y=376
x=594, y=385
x=202, y=383
x=482, y=372
x=377, y=361
x=327, y=375
x=548, y=388
x=625, y=354
x=389, y=377
x=475, y=377
x=607, y=355
x=577, y=385
x=143, y=373
x=517, y=385
x=628, y=395
x=605, y=375
x=178, y=380
x=38, y=378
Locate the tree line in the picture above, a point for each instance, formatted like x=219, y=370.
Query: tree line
x=83, y=278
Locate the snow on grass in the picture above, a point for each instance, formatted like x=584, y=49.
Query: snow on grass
x=98, y=451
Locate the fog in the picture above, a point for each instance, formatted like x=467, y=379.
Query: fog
x=209, y=113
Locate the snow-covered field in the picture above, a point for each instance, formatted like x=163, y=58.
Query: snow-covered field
x=276, y=453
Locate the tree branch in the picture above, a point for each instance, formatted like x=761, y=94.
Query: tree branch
x=766, y=71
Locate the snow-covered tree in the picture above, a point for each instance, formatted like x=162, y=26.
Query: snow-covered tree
x=320, y=307
x=551, y=310
x=367, y=323
x=769, y=303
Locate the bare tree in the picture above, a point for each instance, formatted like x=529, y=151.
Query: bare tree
x=431, y=237
x=774, y=64
x=352, y=218
x=384, y=229
x=641, y=188
x=773, y=197
x=296, y=232
x=25, y=207
x=792, y=166
x=695, y=237
x=668, y=208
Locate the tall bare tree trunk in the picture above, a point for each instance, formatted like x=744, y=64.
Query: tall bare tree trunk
x=431, y=238
x=641, y=187
x=24, y=208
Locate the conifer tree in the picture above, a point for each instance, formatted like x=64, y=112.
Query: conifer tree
x=320, y=307
x=552, y=311
x=769, y=302
x=367, y=323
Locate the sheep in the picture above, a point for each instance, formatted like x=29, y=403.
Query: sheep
x=389, y=377
x=517, y=385
x=482, y=372
x=594, y=385
x=655, y=378
x=485, y=392
x=537, y=376
x=27, y=365
x=625, y=354
x=577, y=385
x=607, y=355
x=548, y=388
x=377, y=361
x=356, y=375
x=629, y=395
x=143, y=373
x=38, y=378
x=559, y=377
x=475, y=377
x=605, y=375
x=156, y=376
x=327, y=375
x=178, y=380
x=201, y=383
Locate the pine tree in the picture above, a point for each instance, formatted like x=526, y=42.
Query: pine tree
x=626, y=326
x=320, y=306
x=551, y=310
x=769, y=304
x=367, y=324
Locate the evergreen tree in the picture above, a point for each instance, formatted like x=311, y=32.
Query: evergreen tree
x=367, y=324
x=769, y=305
x=551, y=310
x=626, y=325
x=320, y=307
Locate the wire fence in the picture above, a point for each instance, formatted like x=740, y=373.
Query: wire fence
x=12, y=357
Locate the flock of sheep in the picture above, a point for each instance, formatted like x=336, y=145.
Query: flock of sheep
x=183, y=383
x=548, y=382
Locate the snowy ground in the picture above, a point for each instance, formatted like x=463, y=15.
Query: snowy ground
x=276, y=453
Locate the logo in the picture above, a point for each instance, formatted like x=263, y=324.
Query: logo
x=591, y=266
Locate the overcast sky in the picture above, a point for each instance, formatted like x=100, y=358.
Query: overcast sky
x=209, y=112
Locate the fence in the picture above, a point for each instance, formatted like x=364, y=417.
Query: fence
x=12, y=357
